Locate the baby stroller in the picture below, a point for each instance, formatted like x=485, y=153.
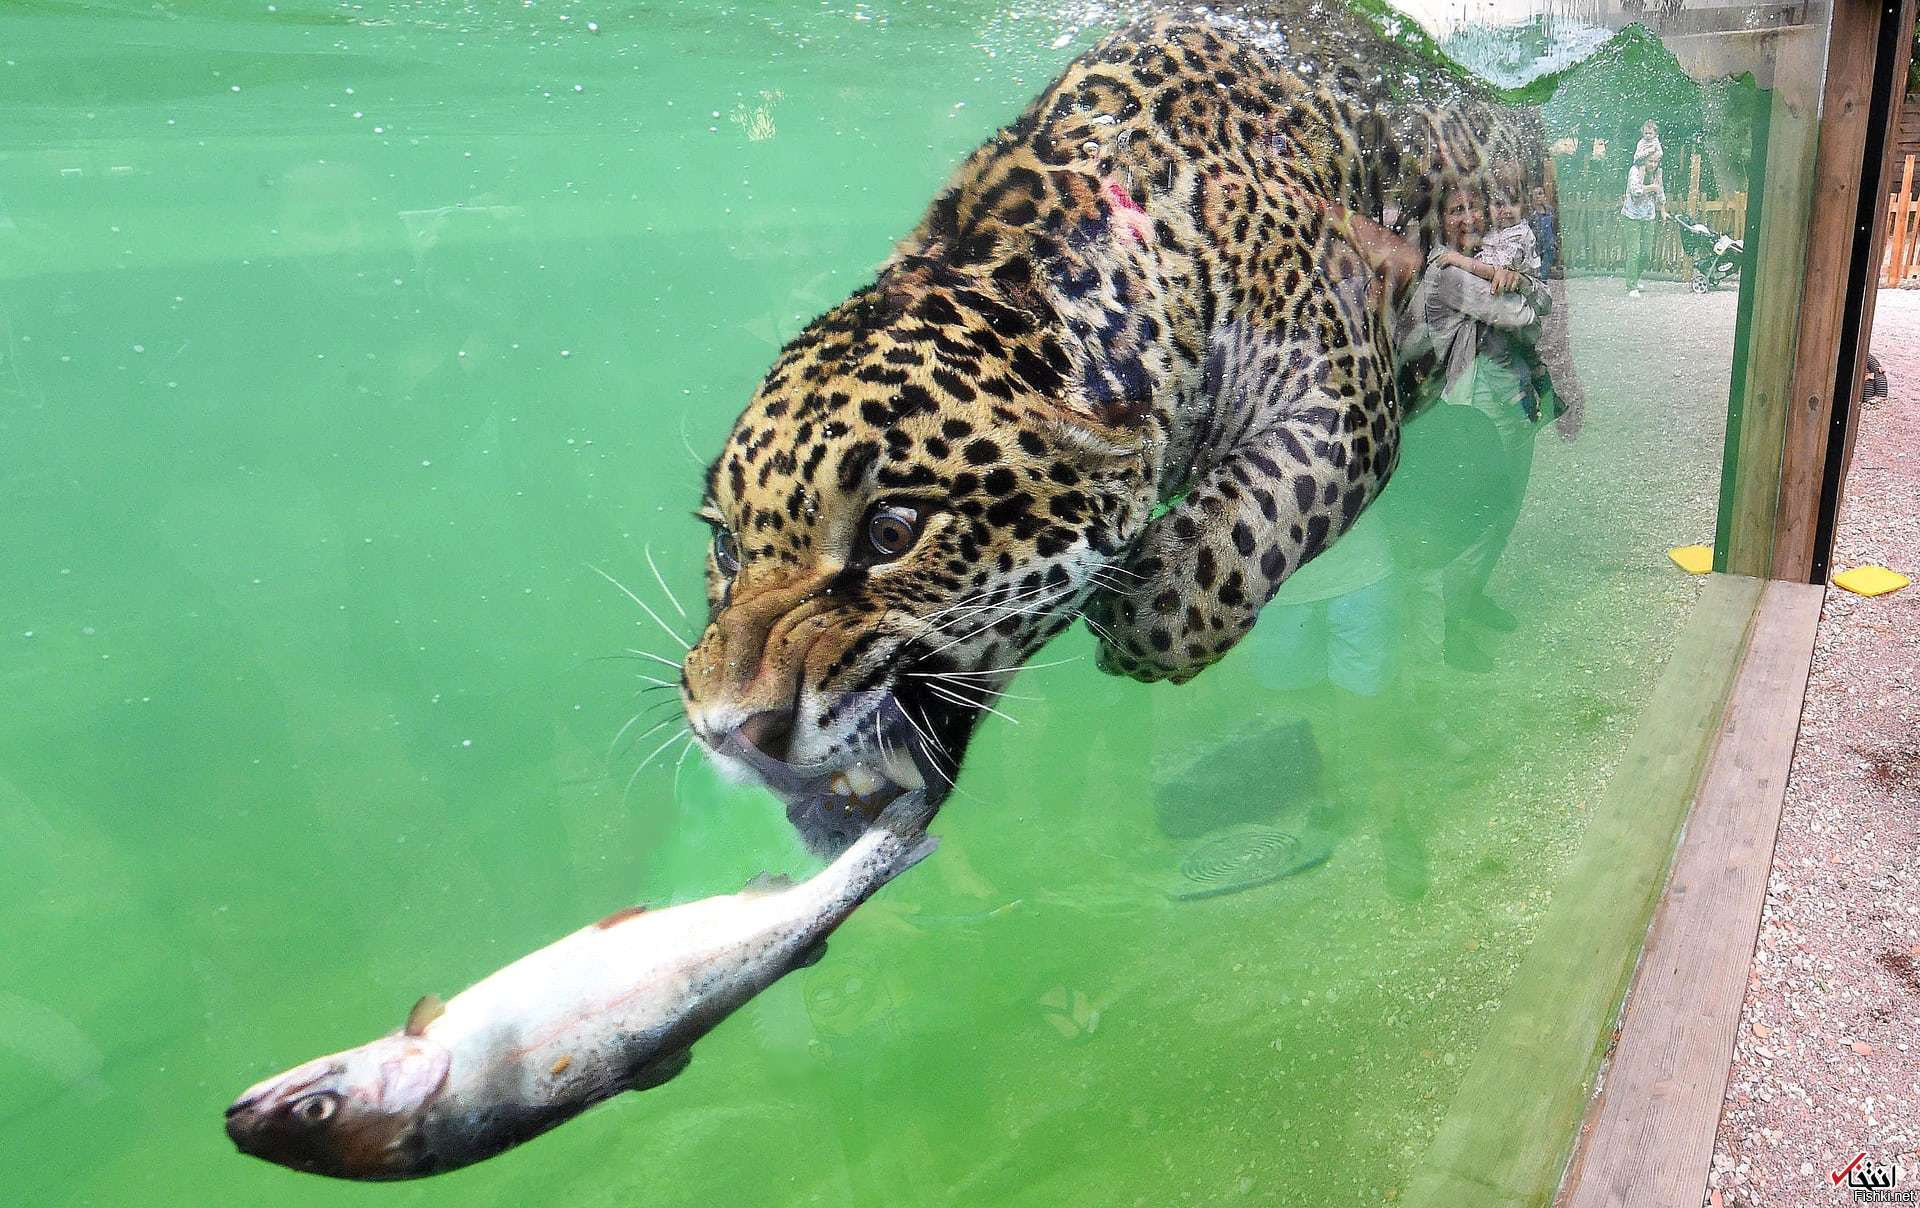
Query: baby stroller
x=1874, y=388
x=1715, y=256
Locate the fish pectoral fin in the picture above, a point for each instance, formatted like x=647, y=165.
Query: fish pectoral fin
x=662, y=1069
x=768, y=882
x=811, y=956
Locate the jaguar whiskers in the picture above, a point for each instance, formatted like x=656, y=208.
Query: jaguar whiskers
x=684, y=734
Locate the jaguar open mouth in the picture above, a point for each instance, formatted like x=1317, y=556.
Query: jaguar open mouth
x=914, y=744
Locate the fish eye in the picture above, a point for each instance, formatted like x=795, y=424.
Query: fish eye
x=316, y=1109
x=892, y=528
x=726, y=552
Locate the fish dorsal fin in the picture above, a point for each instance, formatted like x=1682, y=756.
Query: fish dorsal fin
x=424, y=1012
x=620, y=916
x=768, y=882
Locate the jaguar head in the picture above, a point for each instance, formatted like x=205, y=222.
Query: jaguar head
x=907, y=509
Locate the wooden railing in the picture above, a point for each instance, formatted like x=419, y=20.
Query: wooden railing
x=1595, y=238
x=1901, y=264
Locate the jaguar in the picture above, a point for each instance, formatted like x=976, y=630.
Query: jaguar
x=1129, y=369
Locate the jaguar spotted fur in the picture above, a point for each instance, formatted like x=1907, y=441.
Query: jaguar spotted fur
x=1126, y=368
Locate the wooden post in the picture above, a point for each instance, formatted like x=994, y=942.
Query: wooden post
x=1770, y=291
x=1908, y=216
x=1900, y=16
x=1842, y=263
x=1900, y=209
x=1910, y=228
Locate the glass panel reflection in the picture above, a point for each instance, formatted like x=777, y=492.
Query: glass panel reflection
x=340, y=347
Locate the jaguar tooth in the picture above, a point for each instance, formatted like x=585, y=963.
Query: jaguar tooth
x=903, y=771
x=863, y=778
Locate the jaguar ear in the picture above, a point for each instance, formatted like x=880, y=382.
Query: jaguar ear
x=1094, y=411
x=1104, y=408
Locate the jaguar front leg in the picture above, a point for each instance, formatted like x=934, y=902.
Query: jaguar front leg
x=1200, y=573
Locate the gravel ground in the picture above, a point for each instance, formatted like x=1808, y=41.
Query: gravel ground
x=1828, y=1058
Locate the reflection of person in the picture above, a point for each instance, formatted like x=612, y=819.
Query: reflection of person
x=1546, y=230
x=1649, y=144
x=1460, y=312
x=1483, y=338
x=1511, y=244
x=1645, y=205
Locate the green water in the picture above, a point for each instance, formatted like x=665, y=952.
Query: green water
x=338, y=342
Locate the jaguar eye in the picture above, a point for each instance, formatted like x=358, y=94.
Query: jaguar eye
x=725, y=552
x=892, y=528
x=316, y=1109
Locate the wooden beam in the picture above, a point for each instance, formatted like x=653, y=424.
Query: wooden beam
x=1770, y=290
x=1505, y=1139
x=1717, y=21
x=1651, y=1136
x=1840, y=275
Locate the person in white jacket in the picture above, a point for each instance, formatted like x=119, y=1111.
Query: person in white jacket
x=1645, y=205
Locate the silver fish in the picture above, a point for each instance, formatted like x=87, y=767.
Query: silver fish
x=613, y=1007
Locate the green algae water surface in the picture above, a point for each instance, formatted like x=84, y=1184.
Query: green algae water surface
x=338, y=342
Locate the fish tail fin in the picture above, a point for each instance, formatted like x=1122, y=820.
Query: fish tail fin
x=907, y=815
x=916, y=851
x=905, y=820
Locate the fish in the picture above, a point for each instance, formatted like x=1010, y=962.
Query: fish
x=613, y=1007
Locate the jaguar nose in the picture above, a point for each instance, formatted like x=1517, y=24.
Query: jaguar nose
x=769, y=732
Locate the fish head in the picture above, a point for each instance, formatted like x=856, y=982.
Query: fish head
x=352, y=1115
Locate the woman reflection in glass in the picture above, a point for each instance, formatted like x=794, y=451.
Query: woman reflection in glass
x=1467, y=333
x=1482, y=328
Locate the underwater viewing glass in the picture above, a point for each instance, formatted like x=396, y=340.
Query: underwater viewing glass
x=360, y=363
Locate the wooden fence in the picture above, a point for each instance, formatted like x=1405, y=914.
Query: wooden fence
x=1901, y=265
x=1595, y=238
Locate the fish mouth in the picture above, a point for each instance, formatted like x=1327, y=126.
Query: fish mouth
x=269, y=1094
x=916, y=744
x=373, y=1102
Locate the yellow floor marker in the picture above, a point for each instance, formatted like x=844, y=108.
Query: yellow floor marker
x=1870, y=580
x=1694, y=559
